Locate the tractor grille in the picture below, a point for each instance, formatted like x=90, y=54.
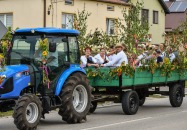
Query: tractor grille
x=7, y=87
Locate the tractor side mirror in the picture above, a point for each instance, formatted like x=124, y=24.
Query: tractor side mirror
x=52, y=46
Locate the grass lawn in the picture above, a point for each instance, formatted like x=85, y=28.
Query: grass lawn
x=4, y=114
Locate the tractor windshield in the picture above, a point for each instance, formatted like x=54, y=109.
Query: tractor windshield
x=27, y=46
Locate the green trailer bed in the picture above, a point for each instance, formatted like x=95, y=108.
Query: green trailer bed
x=139, y=78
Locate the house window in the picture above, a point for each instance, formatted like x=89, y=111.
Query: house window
x=110, y=8
x=145, y=16
x=7, y=19
x=155, y=17
x=69, y=2
x=67, y=21
x=110, y=23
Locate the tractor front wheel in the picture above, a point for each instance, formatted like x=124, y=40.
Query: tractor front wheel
x=27, y=112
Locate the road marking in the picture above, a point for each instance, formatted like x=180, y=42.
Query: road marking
x=91, y=128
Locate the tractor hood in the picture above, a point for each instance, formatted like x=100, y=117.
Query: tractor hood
x=13, y=69
x=13, y=80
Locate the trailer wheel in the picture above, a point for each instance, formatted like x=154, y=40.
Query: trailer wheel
x=142, y=100
x=93, y=107
x=176, y=95
x=142, y=95
x=130, y=102
x=76, y=99
x=27, y=112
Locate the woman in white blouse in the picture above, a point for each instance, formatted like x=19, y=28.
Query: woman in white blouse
x=101, y=57
x=87, y=60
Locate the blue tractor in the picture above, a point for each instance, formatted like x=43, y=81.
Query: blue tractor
x=23, y=88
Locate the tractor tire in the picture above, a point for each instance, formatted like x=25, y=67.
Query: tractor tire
x=27, y=112
x=176, y=95
x=130, y=102
x=93, y=107
x=76, y=99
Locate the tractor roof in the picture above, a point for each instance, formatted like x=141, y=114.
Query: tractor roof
x=48, y=31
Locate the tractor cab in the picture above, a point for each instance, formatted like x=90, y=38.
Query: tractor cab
x=62, y=50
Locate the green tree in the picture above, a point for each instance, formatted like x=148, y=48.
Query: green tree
x=80, y=23
x=96, y=38
x=132, y=30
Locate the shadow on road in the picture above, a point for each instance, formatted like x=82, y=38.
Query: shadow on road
x=51, y=122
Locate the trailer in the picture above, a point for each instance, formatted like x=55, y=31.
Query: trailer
x=132, y=90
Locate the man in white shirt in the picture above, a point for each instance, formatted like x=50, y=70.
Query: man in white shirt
x=119, y=58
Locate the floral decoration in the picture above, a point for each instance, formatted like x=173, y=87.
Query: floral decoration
x=4, y=51
x=43, y=46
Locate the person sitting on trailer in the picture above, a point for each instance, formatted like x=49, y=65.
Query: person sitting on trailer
x=162, y=50
x=112, y=53
x=170, y=54
x=120, y=57
x=87, y=60
x=141, y=59
x=101, y=57
x=159, y=59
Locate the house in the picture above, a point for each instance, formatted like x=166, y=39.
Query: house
x=178, y=11
x=59, y=13
x=154, y=12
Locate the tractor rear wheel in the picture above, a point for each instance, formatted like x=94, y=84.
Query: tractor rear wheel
x=27, y=112
x=76, y=98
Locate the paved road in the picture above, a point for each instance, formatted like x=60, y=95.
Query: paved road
x=156, y=114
